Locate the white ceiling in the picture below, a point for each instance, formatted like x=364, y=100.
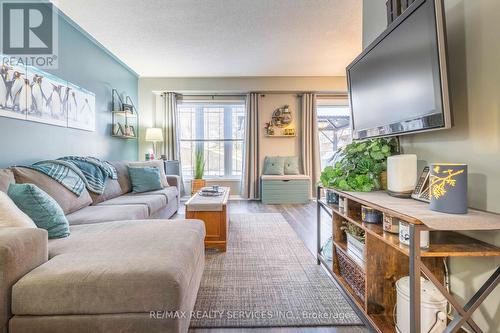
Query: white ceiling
x=194, y=38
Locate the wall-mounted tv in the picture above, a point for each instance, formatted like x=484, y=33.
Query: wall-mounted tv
x=398, y=85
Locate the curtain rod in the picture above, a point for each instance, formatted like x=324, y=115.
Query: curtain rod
x=268, y=92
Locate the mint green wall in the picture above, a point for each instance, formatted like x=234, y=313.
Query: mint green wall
x=88, y=65
x=474, y=71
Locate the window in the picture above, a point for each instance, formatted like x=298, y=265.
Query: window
x=217, y=129
x=334, y=128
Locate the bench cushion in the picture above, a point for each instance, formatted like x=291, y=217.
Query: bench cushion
x=153, y=202
x=115, y=267
x=96, y=214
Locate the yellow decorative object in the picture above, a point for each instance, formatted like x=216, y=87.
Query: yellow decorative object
x=438, y=183
x=448, y=188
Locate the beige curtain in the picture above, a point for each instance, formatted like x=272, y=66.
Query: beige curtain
x=310, y=140
x=170, y=142
x=171, y=146
x=251, y=181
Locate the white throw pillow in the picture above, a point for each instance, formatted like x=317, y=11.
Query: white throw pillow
x=156, y=164
x=11, y=215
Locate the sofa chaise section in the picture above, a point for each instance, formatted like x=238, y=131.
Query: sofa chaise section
x=97, y=214
x=109, y=277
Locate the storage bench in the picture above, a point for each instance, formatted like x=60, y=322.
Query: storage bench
x=286, y=189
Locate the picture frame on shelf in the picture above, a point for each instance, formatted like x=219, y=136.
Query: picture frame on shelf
x=131, y=130
x=127, y=108
x=121, y=129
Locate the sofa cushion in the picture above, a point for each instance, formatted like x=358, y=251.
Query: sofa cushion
x=41, y=208
x=96, y=214
x=156, y=164
x=115, y=187
x=6, y=178
x=112, y=190
x=170, y=193
x=21, y=250
x=11, y=215
x=68, y=201
x=115, y=267
x=153, y=202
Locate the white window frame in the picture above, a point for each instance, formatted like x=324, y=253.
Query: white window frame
x=200, y=139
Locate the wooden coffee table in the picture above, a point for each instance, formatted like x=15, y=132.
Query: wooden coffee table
x=212, y=211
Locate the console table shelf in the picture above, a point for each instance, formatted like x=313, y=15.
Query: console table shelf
x=386, y=260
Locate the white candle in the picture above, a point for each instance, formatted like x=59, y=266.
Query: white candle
x=401, y=173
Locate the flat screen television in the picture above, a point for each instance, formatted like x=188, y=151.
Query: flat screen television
x=398, y=85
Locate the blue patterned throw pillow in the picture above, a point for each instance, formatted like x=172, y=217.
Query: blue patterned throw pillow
x=41, y=208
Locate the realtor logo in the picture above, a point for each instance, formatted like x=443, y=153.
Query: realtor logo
x=29, y=34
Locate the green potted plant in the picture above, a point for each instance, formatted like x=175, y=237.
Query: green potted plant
x=355, y=241
x=361, y=166
x=199, y=169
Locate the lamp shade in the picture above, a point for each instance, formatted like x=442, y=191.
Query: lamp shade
x=154, y=134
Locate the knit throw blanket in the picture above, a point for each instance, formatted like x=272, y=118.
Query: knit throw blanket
x=94, y=171
x=65, y=173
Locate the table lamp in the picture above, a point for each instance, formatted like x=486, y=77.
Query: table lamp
x=154, y=135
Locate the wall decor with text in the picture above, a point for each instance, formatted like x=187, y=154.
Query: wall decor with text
x=31, y=94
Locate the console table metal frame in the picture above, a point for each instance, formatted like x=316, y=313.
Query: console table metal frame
x=416, y=268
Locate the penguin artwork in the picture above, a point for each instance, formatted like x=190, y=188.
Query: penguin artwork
x=3, y=87
x=38, y=95
x=54, y=103
x=65, y=99
x=25, y=97
x=17, y=85
x=72, y=107
x=86, y=111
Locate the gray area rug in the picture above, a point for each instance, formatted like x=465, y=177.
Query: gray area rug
x=267, y=278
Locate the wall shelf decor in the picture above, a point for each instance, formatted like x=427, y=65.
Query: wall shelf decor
x=28, y=93
x=125, y=118
x=280, y=124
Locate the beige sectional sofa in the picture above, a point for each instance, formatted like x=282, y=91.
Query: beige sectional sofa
x=124, y=268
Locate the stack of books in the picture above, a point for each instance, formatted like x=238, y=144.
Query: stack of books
x=210, y=191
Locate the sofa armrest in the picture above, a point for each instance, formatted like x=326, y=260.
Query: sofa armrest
x=21, y=251
x=174, y=180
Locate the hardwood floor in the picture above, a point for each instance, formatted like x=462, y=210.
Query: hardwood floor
x=302, y=218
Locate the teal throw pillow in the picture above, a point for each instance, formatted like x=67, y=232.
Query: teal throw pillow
x=145, y=179
x=292, y=165
x=274, y=165
x=41, y=208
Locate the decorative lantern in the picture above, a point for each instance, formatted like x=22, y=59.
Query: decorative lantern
x=448, y=188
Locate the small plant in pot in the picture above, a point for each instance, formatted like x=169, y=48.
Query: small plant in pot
x=355, y=241
x=199, y=169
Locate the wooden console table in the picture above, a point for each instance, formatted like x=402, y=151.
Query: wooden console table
x=386, y=260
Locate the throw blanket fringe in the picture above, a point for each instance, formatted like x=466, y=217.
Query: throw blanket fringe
x=66, y=174
x=94, y=171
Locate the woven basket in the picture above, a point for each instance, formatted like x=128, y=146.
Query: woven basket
x=351, y=273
